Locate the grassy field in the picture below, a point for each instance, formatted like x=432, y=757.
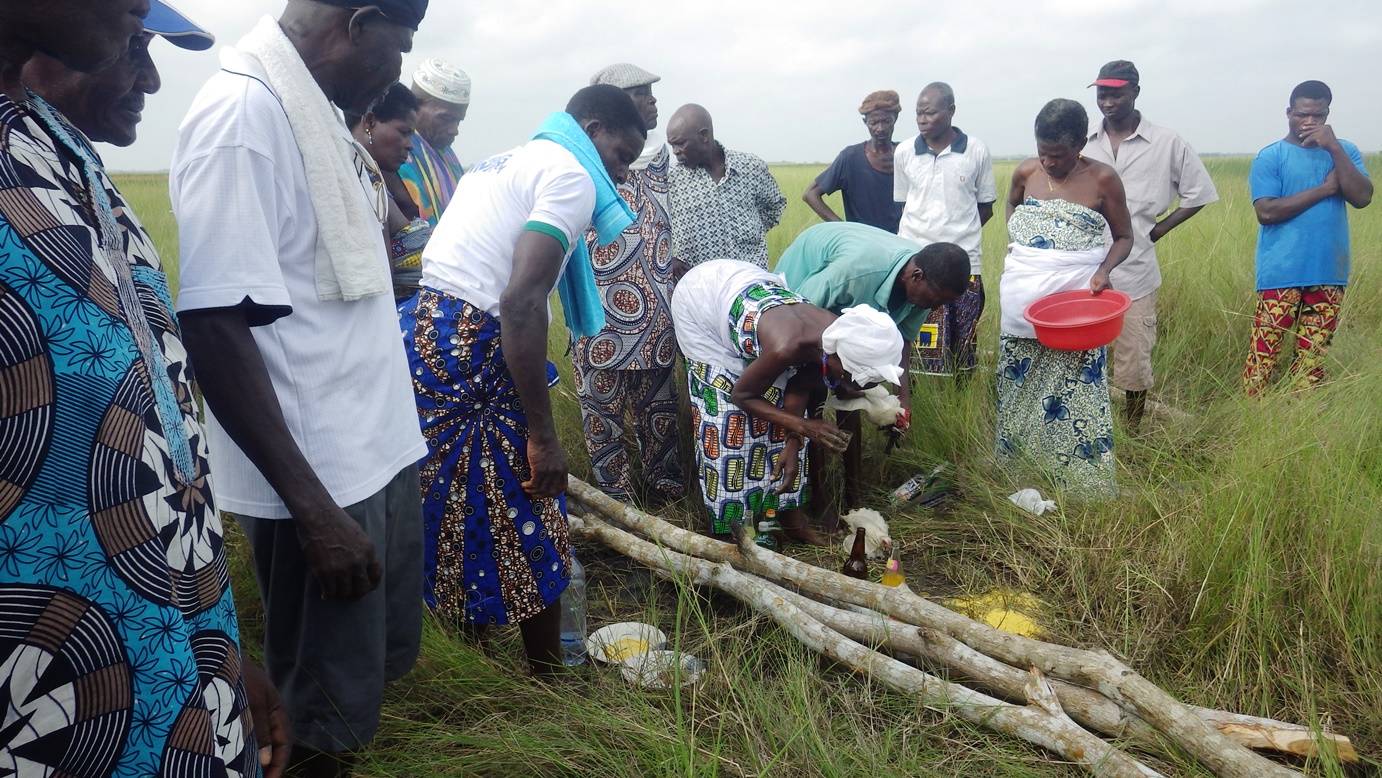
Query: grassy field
x=1239, y=568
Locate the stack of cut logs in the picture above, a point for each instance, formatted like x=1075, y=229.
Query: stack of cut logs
x=1063, y=699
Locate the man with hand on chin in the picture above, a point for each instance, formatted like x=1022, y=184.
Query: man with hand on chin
x=1300, y=186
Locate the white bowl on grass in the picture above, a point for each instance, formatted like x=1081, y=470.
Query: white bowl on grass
x=607, y=644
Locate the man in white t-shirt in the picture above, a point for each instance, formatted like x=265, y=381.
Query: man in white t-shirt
x=312, y=427
x=497, y=549
x=945, y=180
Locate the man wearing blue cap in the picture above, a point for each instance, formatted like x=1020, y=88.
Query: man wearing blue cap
x=118, y=636
x=288, y=312
x=109, y=104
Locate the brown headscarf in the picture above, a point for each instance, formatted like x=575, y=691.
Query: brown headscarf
x=886, y=100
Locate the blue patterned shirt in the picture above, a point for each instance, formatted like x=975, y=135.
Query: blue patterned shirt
x=117, y=627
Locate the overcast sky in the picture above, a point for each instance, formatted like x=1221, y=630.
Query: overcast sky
x=784, y=80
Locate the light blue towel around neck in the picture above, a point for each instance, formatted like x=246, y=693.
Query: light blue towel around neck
x=580, y=297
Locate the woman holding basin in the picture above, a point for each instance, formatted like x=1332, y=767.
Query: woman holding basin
x=1053, y=405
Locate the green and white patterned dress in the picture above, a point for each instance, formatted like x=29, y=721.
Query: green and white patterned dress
x=736, y=452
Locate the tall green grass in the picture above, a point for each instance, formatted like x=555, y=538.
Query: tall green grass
x=1239, y=567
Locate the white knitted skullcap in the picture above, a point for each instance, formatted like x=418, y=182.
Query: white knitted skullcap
x=444, y=81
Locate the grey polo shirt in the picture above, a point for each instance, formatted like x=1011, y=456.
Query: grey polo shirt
x=1157, y=167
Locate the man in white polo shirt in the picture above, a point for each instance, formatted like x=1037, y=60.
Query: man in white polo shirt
x=945, y=180
x=288, y=314
x=1158, y=168
x=497, y=550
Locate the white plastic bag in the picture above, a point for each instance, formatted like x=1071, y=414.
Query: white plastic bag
x=1030, y=500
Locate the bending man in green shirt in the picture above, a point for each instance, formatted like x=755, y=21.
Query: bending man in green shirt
x=836, y=265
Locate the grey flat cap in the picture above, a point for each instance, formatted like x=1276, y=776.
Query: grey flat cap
x=624, y=76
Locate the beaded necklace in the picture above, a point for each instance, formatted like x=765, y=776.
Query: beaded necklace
x=99, y=209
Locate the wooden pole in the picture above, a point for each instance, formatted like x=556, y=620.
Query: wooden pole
x=1041, y=722
x=1098, y=671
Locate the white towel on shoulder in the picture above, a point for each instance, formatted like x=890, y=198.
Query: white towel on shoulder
x=348, y=263
x=1030, y=274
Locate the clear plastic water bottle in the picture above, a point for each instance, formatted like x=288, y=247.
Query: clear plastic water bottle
x=573, y=616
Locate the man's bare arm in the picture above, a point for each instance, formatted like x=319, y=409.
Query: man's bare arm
x=1275, y=210
x=235, y=383
x=813, y=197
x=537, y=259
x=1172, y=221
x=1353, y=185
x=985, y=213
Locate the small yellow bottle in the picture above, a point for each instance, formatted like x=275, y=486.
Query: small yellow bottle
x=892, y=574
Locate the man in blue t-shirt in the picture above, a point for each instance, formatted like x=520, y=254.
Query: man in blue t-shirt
x=863, y=173
x=1299, y=186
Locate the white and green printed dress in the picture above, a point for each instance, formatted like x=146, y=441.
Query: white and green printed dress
x=716, y=309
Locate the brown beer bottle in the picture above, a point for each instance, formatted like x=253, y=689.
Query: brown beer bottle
x=857, y=566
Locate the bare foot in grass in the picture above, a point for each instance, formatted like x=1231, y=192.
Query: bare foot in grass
x=797, y=528
x=829, y=520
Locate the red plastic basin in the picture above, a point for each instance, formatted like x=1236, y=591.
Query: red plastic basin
x=1078, y=320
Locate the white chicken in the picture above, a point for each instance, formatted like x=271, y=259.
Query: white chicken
x=881, y=408
x=878, y=543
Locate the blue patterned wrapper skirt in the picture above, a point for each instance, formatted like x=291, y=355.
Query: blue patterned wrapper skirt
x=1053, y=413
x=493, y=555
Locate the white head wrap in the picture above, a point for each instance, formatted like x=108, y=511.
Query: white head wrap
x=868, y=344
x=444, y=81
